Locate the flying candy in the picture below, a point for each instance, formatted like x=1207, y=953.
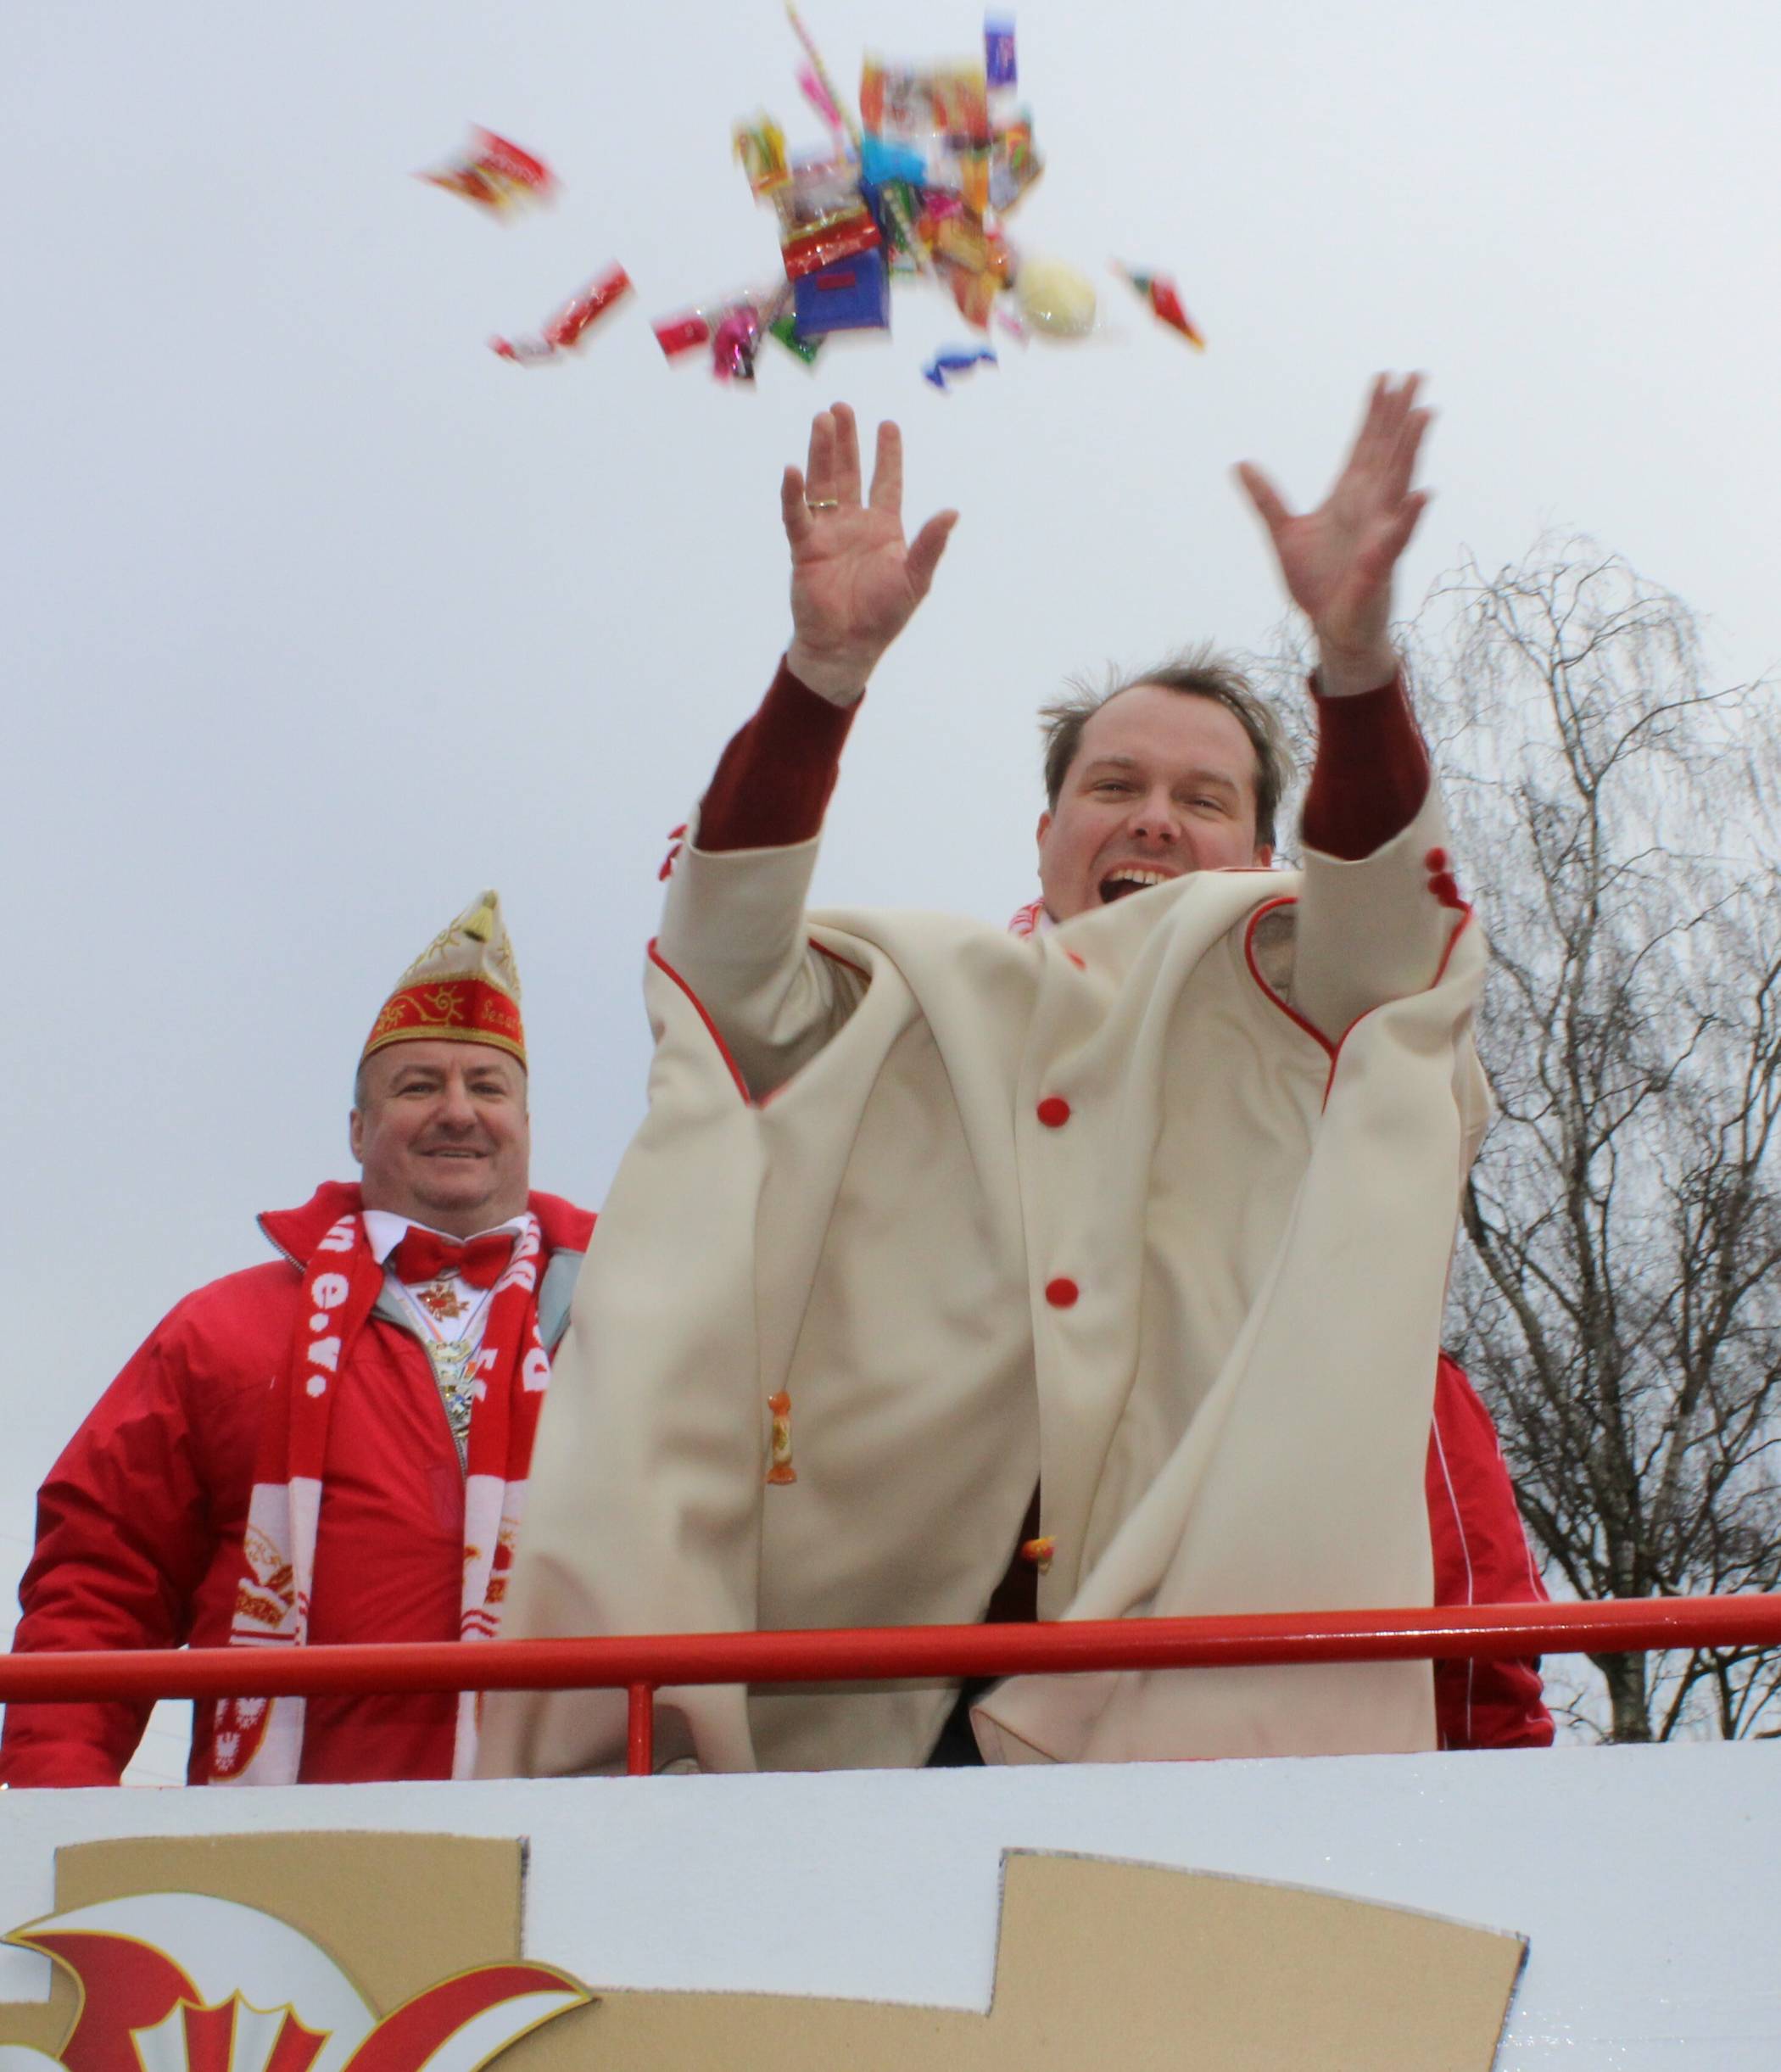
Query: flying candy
x=922, y=186
x=566, y=330
x=733, y=327
x=820, y=98
x=957, y=360
x=1159, y=292
x=495, y=175
x=1055, y=299
x=919, y=188
x=819, y=73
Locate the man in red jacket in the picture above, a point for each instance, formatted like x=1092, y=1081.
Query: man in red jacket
x=332, y=1446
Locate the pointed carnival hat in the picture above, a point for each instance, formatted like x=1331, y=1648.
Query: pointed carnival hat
x=464, y=987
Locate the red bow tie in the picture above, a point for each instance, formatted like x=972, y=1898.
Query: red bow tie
x=424, y=1255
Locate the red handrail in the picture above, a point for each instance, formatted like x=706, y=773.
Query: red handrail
x=643, y=1665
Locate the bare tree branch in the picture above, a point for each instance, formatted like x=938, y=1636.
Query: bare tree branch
x=1618, y=1292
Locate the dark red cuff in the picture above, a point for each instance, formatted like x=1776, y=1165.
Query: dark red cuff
x=1371, y=774
x=773, y=781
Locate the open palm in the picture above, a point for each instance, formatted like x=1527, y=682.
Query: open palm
x=1338, y=561
x=855, y=582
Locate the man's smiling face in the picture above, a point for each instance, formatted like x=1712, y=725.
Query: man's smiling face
x=442, y=1135
x=1162, y=783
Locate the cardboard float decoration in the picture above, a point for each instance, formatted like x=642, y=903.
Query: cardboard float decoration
x=364, y=1953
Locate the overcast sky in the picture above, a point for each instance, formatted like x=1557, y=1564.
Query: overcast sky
x=318, y=617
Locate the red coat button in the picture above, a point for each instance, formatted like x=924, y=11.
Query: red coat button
x=1061, y=1292
x=1446, y=889
x=1435, y=860
x=1053, y=1111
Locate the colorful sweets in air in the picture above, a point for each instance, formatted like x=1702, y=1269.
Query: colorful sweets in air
x=920, y=186
x=495, y=175
x=566, y=330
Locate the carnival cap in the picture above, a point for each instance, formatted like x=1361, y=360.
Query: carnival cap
x=464, y=987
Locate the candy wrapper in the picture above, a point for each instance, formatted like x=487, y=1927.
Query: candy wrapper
x=822, y=100
x=950, y=101
x=1159, y=292
x=732, y=328
x=735, y=338
x=816, y=191
x=842, y=235
x=683, y=333
x=1000, y=70
x=956, y=361
x=571, y=323
x=495, y=175
x=819, y=75
x=761, y=145
x=784, y=331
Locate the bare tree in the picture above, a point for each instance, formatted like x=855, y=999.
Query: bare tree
x=1617, y=1300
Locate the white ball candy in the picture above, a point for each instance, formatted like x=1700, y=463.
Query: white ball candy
x=1055, y=299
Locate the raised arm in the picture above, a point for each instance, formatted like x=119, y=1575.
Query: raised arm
x=1376, y=914
x=732, y=927
x=1338, y=561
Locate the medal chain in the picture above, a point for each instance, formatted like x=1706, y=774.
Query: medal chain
x=450, y=1359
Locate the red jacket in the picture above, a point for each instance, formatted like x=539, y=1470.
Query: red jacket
x=1481, y=1558
x=139, y=1522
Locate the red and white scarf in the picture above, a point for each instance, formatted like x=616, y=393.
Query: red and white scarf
x=258, y=1741
x=1030, y=920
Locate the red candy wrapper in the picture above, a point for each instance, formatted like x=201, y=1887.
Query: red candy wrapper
x=844, y=237
x=495, y=175
x=566, y=330
x=1159, y=292
x=733, y=327
x=681, y=334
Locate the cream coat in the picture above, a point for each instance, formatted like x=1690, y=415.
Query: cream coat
x=1232, y=1415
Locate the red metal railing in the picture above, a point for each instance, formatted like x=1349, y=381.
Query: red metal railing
x=640, y=1666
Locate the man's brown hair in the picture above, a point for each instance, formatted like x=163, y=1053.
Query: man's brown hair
x=1196, y=673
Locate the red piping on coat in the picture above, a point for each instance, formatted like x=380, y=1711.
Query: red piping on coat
x=662, y=964
x=716, y=1035
x=1292, y=1015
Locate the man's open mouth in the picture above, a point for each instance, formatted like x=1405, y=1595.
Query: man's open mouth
x=1131, y=878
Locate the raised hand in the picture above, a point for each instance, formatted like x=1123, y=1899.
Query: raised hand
x=1338, y=561
x=855, y=583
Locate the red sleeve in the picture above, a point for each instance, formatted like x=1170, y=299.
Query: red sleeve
x=773, y=781
x=1370, y=774
x=122, y=1543
x=1481, y=1558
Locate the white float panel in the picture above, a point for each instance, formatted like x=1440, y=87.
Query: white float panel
x=1648, y=1880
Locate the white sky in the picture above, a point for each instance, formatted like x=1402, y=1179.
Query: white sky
x=318, y=617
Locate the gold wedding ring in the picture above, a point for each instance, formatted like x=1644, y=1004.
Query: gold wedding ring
x=822, y=503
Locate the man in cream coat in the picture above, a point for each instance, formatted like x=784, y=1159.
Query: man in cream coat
x=1152, y=1209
